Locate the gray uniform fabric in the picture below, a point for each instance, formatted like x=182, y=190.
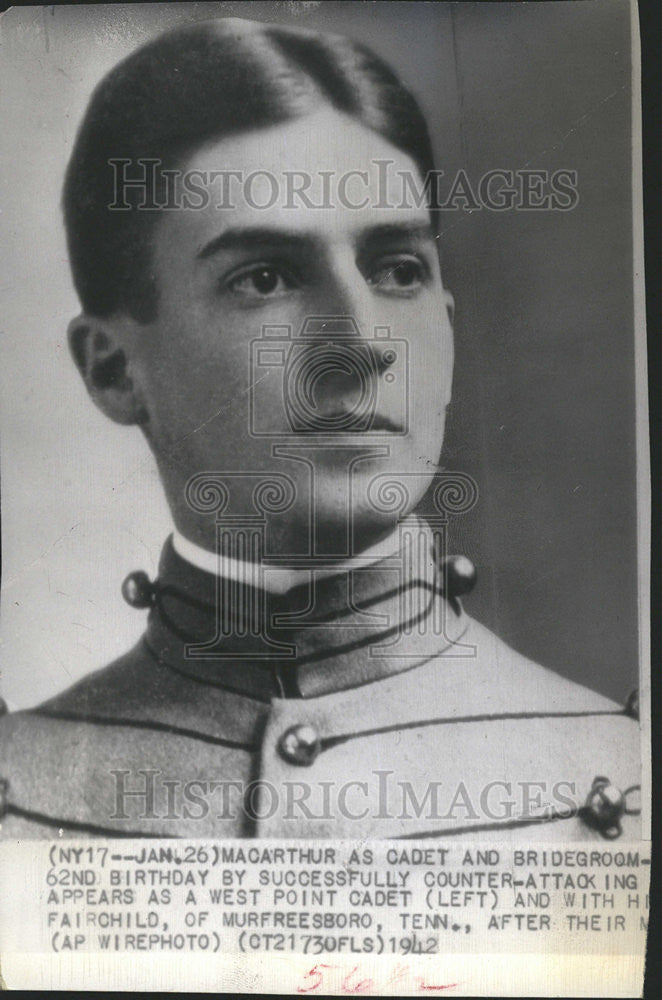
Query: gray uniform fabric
x=399, y=717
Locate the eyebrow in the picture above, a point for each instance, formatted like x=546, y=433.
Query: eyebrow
x=414, y=229
x=251, y=237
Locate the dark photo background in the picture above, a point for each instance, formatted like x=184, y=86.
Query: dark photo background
x=543, y=415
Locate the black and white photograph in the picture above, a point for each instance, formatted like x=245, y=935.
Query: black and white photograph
x=325, y=496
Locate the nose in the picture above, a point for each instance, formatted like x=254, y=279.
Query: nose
x=349, y=303
x=346, y=293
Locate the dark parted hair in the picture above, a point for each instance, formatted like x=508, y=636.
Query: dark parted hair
x=187, y=87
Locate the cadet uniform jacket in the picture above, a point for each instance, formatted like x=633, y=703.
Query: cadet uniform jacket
x=386, y=711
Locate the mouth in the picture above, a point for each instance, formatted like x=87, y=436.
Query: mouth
x=343, y=421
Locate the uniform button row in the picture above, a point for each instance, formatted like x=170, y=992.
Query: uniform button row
x=300, y=745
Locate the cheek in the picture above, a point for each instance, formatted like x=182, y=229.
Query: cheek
x=200, y=349
x=189, y=372
x=431, y=364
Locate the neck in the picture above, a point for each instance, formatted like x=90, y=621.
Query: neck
x=275, y=577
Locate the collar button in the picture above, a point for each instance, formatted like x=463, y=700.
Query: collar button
x=300, y=745
x=138, y=590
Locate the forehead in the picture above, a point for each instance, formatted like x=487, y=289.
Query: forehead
x=321, y=175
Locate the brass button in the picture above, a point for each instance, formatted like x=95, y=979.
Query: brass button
x=458, y=575
x=300, y=745
x=604, y=808
x=137, y=590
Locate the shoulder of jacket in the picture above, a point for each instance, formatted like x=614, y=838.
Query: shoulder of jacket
x=114, y=682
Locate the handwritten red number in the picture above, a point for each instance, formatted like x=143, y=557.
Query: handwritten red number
x=315, y=971
x=363, y=985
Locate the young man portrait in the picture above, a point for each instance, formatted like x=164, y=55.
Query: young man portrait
x=254, y=235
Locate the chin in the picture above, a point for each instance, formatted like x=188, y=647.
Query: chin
x=368, y=529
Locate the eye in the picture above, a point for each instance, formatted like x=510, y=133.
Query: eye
x=398, y=275
x=260, y=281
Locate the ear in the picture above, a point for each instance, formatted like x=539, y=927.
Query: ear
x=449, y=302
x=99, y=352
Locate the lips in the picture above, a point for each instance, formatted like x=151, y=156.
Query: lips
x=379, y=422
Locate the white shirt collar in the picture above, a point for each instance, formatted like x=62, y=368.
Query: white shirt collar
x=278, y=579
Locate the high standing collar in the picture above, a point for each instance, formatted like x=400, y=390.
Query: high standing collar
x=280, y=579
x=329, y=634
